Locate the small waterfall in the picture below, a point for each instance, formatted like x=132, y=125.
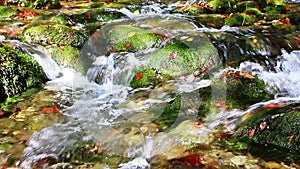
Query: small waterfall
x=50, y=67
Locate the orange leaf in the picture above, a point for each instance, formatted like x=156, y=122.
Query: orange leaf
x=274, y=105
x=127, y=45
x=251, y=132
x=53, y=109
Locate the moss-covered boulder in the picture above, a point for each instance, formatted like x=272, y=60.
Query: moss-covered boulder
x=184, y=54
x=64, y=55
x=147, y=77
x=19, y=72
x=95, y=15
x=232, y=90
x=272, y=131
x=221, y=6
x=129, y=38
x=6, y=12
x=53, y=34
x=240, y=19
x=37, y=4
x=242, y=89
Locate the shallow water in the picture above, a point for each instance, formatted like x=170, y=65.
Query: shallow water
x=102, y=108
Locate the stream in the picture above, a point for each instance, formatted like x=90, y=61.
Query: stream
x=102, y=108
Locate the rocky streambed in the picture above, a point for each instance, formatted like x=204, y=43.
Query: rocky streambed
x=135, y=84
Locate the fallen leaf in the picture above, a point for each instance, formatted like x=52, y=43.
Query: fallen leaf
x=1, y=112
x=53, y=109
x=274, y=105
x=138, y=77
x=251, y=132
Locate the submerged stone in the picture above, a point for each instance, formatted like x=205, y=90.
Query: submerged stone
x=53, y=34
x=19, y=72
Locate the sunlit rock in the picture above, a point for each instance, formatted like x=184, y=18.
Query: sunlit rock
x=53, y=34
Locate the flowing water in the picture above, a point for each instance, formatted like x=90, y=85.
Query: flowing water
x=111, y=114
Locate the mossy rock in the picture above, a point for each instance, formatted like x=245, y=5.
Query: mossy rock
x=191, y=9
x=36, y=4
x=243, y=89
x=183, y=55
x=253, y=11
x=90, y=152
x=45, y=4
x=19, y=72
x=272, y=131
x=53, y=34
x=220, y=6
x=240, y=20
x=147, y=77
x=280, y=9
x=64, y=55
x=6, y=12
x=132, y=39
x=95, y=15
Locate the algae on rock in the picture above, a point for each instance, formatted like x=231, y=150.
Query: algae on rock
x=53, y=34
x=19, y=72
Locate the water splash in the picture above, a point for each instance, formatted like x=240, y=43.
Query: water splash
x=39, y=53
x=285, y=79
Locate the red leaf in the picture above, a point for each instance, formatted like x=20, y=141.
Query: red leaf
x=138, y=77
x=112, y=49
x=287, y=21
x=1, y=112
x=193, y=160
x=251, y=132
x=274, y=105
x=98, y=35
x=226, y=134
x=53, y=109
x=127, y=45
x=89, y=16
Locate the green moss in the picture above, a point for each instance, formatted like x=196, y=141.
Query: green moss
x=275, y=9
x=18, y=72
x=284, y=28
x=220, y=6
x=61, y=19
x=53, y=34
x=170, y=113
x=243, y=92
x=253, y=11
x=6, y=12
x=45, y=4
x=280, y=134
x=240, y=20
x=190, y=9
x=147, y=77
x=89, y=152
x=184, y=55
x=96, y=15
x=127, y=38
x=65, y=55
